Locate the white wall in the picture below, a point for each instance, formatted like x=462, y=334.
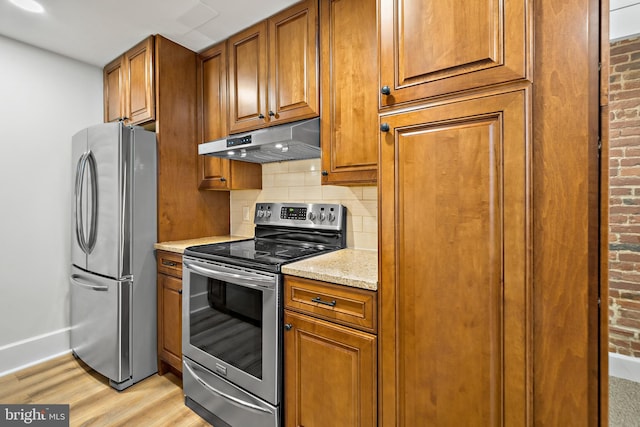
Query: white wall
x=44, y=99
x=624, y=19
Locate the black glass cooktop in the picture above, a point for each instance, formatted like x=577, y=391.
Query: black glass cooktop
x=263, y=254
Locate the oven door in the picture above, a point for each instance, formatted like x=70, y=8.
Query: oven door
x=231, y=324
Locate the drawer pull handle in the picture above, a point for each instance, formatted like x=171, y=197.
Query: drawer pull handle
x=169, y=263
x=319, y=301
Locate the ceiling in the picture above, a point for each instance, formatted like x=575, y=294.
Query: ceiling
x=97, y=31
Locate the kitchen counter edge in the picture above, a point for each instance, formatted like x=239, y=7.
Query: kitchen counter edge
x=357, y=268
x=178, y=246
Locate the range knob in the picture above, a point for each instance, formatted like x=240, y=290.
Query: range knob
x=259, y=213
x=267, y=214
x=332, y=217
x=312, y=216
x=322, y=216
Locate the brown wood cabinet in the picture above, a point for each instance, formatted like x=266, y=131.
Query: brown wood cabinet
x=273, y=70
x=215, y=173
x=329, y=369
x=129, y=85
x=430, y=48
x=349, y=76
x=169, y=311
x=489, y=214
x=454, y=253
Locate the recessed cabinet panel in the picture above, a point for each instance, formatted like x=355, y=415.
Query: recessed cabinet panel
x=453, y=263
x=248, y=79
x=293, y=74
x=430, y=48
x=330, y=374
x=349, y=77
x=141, y=95
x=114, y=92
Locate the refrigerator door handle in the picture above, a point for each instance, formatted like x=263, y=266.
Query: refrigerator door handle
x=75, y=280
x=93, y=176
x=80, y=171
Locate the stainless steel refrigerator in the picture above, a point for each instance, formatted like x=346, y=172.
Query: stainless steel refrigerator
x=113, y=283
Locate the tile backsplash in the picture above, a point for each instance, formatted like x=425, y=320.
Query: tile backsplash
x=299, y=181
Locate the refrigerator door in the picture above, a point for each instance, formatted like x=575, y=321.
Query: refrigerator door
x=79, y=214
x=108, y=200
x=100, y=323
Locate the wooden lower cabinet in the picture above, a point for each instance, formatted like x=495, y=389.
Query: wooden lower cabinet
x=330, y=374
x=169, y=312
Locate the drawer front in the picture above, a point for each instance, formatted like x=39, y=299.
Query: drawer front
x=340, y=304
x=170, y=263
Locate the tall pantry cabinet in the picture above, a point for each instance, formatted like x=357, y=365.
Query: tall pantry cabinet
x=488, y=216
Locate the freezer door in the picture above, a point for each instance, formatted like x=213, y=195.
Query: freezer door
x=79, y=186
x=109, y=208
x=100, y=323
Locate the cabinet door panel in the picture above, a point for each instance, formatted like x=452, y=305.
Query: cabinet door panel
x=140, y=88
x=453, y=264
x=293, y=63
x=212, y=100
x=330, y=374
x=429, y=48
x=170, y=320
x=248, y=79
x=114, y=74
x=349, y=78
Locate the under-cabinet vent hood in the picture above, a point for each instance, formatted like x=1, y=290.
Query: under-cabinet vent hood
x=291, y=141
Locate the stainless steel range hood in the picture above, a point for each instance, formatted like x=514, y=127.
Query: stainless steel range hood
x=291, y=141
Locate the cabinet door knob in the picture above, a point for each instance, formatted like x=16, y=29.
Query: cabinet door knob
x=325, y=173
x=180, y=292
x=288, y=326
x=261, y=116
x=223, y=179
x=271, y=113
x=385, y=90
x=384, y=127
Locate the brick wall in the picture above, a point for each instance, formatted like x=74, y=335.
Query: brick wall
x=624, y=217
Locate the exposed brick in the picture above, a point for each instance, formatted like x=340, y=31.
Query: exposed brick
x=621, y=191
x=627, y=122
x=621, y=48
x=629, y=161
x=629, y=333
x=629, y=257
x=633, y=84
x=619, y=59
x=626, y=94
x=630, y=131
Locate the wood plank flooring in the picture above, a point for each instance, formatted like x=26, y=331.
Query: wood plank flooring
x=155, y=401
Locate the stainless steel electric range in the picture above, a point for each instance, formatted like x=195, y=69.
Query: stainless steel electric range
x=232, y=312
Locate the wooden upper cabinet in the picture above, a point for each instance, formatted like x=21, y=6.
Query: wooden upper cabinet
x=114, y=109
x=129, y=93
x=140, y=106
x=430, y=48
x=273, y=70
x=349, y=75
x=216, y=173
x=248, y=79
x=454, y=253
x=293, y=64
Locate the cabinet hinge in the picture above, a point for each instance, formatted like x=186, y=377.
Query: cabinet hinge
x=599, y=66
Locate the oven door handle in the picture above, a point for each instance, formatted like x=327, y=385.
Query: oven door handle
x=233, y=400
x=262, y=282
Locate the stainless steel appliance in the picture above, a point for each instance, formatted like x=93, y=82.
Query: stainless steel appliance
x=232, y=312
x=113, y=290
x=290, y=141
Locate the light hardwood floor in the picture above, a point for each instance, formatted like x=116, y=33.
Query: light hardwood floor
x=155, y=401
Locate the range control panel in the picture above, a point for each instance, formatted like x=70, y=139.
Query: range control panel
x=304, y=215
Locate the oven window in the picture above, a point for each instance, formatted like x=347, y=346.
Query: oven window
x=226, y=322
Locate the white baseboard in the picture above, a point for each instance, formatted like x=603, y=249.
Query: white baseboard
x=25, y=353
x=625, y=367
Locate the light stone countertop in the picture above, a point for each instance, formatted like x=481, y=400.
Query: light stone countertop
x=178, y=246
x=351, y=267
